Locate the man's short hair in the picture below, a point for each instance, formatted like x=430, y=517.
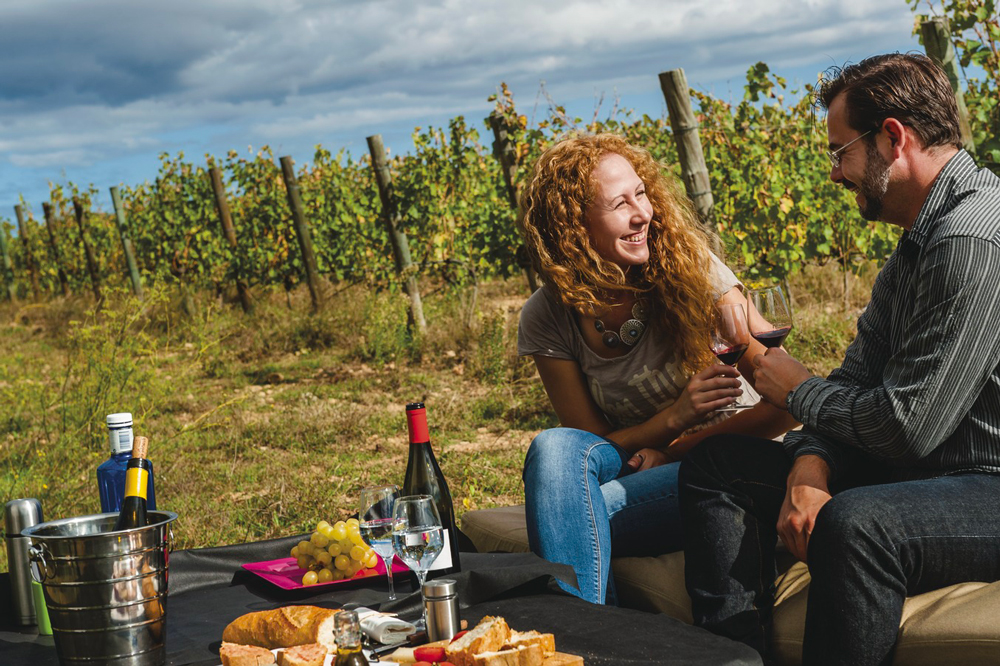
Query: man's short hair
x=909, y=87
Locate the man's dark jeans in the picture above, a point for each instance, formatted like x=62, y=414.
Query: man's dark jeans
x=872, y=546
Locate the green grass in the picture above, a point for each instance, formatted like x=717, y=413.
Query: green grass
x=261, y=426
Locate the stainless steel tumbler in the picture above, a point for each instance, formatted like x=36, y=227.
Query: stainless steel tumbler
x=441, y=609
x=19, y=514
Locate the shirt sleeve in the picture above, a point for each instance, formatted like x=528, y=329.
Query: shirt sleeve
x=722, y=278
x=542, y=328
x=947, y=352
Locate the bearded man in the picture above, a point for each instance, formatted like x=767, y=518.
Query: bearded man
x=892, y=487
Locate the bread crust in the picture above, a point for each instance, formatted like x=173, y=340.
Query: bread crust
x=283, y=627
x=488, y=636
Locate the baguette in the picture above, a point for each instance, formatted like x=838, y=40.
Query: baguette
x=312, y=654
x=563, y=659
x=283, y=627
x=519, y=638
x=526, y=655
x=488, y=636
x=244, y=655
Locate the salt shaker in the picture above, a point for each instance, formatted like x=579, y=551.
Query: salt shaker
x=441, y=609
x=20, y=514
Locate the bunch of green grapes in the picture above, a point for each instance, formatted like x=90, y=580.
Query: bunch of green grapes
x=335, y=552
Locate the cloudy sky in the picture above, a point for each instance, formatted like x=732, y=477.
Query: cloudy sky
x=92, y=92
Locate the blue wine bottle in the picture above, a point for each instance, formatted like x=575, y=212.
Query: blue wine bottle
x=111, y=473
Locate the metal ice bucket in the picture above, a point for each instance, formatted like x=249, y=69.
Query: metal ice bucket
x=106, y=591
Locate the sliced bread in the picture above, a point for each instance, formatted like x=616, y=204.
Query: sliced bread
x=233, y=654
x=312, y=654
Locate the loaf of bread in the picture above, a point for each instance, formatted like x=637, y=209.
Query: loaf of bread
x=312, y=654
x=244, y=655
x=488, y=636
x=563, y=659
x=520, y=638
x=283, y=627
x=526, y=655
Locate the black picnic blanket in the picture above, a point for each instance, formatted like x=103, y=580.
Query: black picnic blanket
x=208, y=589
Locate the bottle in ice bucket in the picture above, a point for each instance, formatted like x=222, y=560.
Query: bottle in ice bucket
x=424, y=477
x=111, y=473
x=347, y=634
x=133, y=513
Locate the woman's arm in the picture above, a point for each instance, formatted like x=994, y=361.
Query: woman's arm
x=566, y=386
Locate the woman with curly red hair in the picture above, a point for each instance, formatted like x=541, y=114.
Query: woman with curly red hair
x=620, y=335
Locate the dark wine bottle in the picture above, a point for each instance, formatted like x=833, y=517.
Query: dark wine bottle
x=133, y=513
x=424, y=477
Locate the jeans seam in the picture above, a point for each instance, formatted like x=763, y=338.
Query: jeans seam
x=760, y=558
x=593, y=519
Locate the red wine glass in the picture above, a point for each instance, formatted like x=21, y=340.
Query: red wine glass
x=770, y=316
x=730, y=339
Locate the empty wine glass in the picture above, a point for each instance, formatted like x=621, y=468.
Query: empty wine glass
x=375, y=516
x=730, y=339
x=417, y=536
x=770, y=315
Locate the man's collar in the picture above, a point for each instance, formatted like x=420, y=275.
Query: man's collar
x=939, y=198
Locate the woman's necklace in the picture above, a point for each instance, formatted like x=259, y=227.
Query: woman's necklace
x=630, y=331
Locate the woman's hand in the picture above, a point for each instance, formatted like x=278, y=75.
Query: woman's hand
x=714, y=387
x=647, y=459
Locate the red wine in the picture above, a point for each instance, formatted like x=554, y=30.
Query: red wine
x=424, y=477
x=772, y=339
x=133, y=513
x=730, y=355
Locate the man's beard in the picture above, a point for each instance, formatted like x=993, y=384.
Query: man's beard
x=874, y=184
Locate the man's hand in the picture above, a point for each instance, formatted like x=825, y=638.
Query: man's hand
x=647, y=459
x=807, y=493
x=776, y=374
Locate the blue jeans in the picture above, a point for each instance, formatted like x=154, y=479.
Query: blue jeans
x=873, y=544
x=582, y=502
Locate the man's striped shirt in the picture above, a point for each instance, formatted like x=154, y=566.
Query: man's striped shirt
x=920, y=385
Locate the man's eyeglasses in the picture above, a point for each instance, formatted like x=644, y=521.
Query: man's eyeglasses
x=835, y=155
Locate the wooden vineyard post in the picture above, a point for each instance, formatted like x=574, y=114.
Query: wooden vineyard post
x=301, y=228
x=7, y=267
x=397, y=239
x=88, y=251
x=222, y=206
x=693, y=168
x=503, y=150
x=122, y=223
x=936, y=33
x=56, y=256
x=29, y=257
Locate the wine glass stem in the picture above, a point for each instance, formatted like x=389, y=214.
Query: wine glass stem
x=421, y=578
x=388, y=573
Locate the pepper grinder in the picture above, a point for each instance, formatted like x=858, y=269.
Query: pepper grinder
x=20, y=514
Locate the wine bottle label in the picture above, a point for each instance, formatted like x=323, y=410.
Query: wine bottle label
x=136, y=480
x=121, y=440
x=443, y=560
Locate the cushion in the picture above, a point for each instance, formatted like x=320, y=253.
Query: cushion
x=953, y=625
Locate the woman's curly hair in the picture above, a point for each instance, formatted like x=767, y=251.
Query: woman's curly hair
x=675, y=280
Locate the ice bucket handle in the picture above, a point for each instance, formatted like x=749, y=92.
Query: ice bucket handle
x=40, y=569
x=170, y=539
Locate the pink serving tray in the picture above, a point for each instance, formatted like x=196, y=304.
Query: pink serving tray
x=285, y=573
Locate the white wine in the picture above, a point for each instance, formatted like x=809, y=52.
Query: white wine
x=378, y=535
x=415, y=545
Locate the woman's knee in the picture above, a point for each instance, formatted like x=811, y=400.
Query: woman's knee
x=553, y=447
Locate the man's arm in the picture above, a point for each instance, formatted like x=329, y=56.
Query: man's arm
x=951, y=346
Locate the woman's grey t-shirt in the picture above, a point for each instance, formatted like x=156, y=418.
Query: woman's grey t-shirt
x=629, y=389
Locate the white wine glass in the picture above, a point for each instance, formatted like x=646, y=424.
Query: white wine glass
x=417, y=535
x=375, y=518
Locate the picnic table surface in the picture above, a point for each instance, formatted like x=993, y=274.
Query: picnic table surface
x=208, y=589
